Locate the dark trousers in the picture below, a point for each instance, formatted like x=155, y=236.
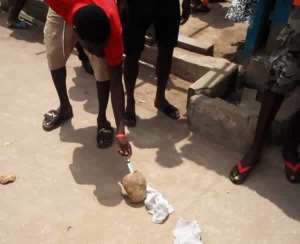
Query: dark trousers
x=15, y=9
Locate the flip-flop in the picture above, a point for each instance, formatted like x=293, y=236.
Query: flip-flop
x=19, y=24
x=105, y=136
x=53, y=119
x=292, y=172
x=130, y=119
x=170, y=111
x=240, y=173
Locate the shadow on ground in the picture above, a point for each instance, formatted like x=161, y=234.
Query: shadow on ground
x=268, y=180
x=33, y=34
x=102, y=168
x=92, y=166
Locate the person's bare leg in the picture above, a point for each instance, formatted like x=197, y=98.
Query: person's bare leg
x=131, y=71
x=271, y=103
x=163, y=69
x=290, y=149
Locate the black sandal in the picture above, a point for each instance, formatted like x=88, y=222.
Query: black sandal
x=105, y=136
x=170, y=111
x=292, y=172
x=240, y=173
x=130, y=119
x=54, y=118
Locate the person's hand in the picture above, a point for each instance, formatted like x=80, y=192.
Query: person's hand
x=125, y=147
x=186, y=11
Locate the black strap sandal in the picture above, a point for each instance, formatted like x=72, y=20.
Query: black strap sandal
x=240, y=173
x=54, y=118
x=130, y=119
x=105, y=136
x=292, y=172
x=170, y=111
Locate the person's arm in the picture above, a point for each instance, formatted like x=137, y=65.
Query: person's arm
x=186, y=11
x=118, y=104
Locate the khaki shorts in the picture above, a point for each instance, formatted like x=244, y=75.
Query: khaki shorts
x=60, y=40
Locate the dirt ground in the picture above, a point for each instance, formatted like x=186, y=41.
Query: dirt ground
x=66, y=189
x=212, y=26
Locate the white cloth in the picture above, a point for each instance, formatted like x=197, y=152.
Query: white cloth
x=187, y=232
x=157, y=205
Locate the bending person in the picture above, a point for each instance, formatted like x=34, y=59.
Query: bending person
x=95, y=24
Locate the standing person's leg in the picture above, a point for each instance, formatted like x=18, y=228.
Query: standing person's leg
x=163, y=69
x=57, y=55
x=131, y=71
x=84, y=59
x=13, y=15
x=290, y=149
x=271, y=103
x=289, y=80
x=167, y=30
x=140, y=16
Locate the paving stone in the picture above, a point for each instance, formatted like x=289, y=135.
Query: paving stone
x=194, y=45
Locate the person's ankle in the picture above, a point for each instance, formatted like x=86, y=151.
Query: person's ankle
x=251, y=158
x=160, y=101
x=290, y=156
x=66, y=108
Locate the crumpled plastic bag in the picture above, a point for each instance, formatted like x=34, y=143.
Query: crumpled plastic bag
x=187, y=232
x=157, y=205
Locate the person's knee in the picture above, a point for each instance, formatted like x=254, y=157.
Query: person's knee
x=165, y=52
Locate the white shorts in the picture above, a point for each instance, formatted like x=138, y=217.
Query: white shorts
x=60, y=40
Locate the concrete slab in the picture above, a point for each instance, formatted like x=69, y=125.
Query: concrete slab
x=188, y=43
x=191, y=66
x=212, y=27
x=66, y=189
x=222, y=122
x=196, y=46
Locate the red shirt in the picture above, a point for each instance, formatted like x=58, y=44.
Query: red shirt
x=114, y=48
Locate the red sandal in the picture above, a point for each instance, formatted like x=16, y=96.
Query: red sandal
x=240, y=173
x=292, y=172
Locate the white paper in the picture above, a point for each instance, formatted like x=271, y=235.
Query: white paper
x=157, y=205
x=187, y=232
